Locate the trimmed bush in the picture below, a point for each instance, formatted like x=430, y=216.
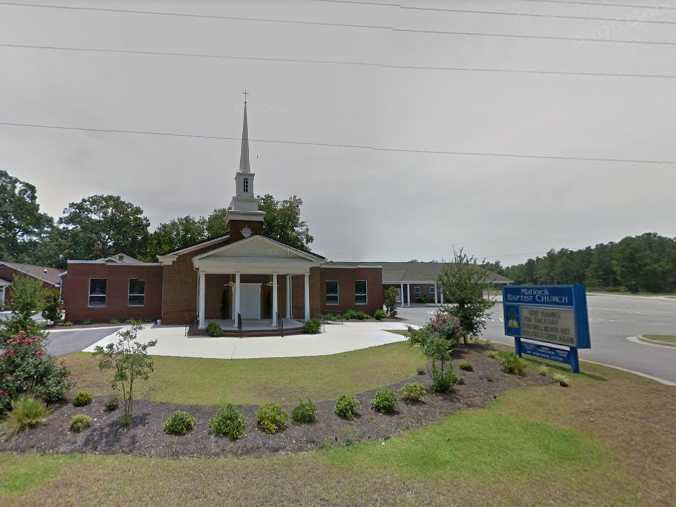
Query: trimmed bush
x=305, y=412
x=413, y=393
x=379, y=314
x=80, y=422
x=465, y=366
x=214, y=330
x=312, y=326
x=561, y=379
x=330, y=316
x=27, y=412
x=229, y=422
x=179, y=423
x=111, y=404
x=82, y=399
x=442, y=381
x=385, y=402
x=347, y=406
x=271, y=418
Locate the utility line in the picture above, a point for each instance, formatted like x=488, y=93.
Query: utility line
x=269, y=59
x=505, y=13
x=353, y=25
x=342, y=146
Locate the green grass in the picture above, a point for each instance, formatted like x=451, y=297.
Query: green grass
x=19, y=473
x=257, y=381
x=477, y=444
x=660, y=338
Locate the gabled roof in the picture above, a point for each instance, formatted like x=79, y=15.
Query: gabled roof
x=258, y=238
x=196, y=246
x=45, y=274
x=121, y=259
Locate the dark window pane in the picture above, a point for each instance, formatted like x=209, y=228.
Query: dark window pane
x=360, y=292
x=136, y=300
x=332, y=292
x=98, y=286
x=137, y=286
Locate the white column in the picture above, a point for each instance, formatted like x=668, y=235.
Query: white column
x=236, y=300
x=401, y=294
x=307, y=296
x=232, y=299
x=201, y=290
x=442, y=294
x=274, y=300
x=436, y=294
x=288, y=296
x=408, y=293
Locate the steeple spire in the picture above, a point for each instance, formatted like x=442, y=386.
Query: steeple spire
x=244, y=165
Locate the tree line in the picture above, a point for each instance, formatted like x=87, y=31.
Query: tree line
x=646, y=262
x=99, y=226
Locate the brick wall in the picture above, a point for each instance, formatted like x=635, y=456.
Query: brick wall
x=76, y=292
x=346, y=278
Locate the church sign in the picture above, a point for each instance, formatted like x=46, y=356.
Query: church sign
x=553, y=314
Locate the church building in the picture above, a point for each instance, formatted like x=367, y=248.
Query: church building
x=243, y=280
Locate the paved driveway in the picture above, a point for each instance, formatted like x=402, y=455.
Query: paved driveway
x=62, y=342
x=612, y=320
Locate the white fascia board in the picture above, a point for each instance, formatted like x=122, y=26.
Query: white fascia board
x=230, y=246
x=420, y=282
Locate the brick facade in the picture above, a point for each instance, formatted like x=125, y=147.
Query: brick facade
x=76, y=292
x=346, y=278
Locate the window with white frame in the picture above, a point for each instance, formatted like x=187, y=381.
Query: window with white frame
x=430, y=290
x=332, y=292
x=245, y=185
x=360, y=292
x=97, y=291
x=417, y=290
x=137, y=292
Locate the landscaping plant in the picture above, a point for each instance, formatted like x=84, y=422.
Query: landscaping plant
x=347, y=406
x=465, y=366
x=511, y=363
x=561, y=379
x=443, y=380
x=305, y=412
x=111, y=404
x=179, y=423
x=385, y=402
x=28, y=298
x=312, y=326
x=25, y=368
x=229, y=422
x=82, y=399
x=80, y=422
x=271, y=418
x=379, y=314
x=53, y=306
x=413, y=392
x=130, y=362
x=214, y=330
x=391, y=302
x=27, y=412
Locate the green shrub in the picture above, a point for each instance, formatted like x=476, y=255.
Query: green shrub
x=179, y=423
x=116, y=321
x=67, y=324
x=385, y=402
x=312, y=326
x=214, y=330
x=561, y=379
x=420, y=371
x=464, y=365
x=352, y=314
x=86, y=322
x=347, y=406
x=442, y=381
x=80, y=422
x=543, y=371
x=413, y=392
x=379, y=314
x=511, y=363
x=82, y=399
x=27, y=412
x=304, y=412
x=271, y=418
x=229, y=422
x=111, y=404
x=362, y=315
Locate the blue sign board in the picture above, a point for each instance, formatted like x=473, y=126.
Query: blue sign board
x=555, y=314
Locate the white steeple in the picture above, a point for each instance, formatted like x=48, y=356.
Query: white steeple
x=244, y=200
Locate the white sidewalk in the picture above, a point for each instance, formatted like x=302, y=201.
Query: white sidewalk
x=171, y=341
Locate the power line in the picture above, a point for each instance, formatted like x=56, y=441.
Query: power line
x=309, y=61
x=519, y=14
x=601, y=4
x=348, y=25
x=341, y=146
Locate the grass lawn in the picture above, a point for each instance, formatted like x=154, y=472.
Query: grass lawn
x=609, y=439
x=256, y=381
x=660, y=338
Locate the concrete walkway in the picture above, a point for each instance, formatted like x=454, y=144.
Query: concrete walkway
x=171, y=341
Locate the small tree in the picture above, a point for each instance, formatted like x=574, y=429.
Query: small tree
x=129, y=361
x=28, y=298
x=53, y=310
x=464, y=282
x=391, y=302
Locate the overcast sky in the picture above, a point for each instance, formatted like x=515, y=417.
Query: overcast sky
x=360, y=204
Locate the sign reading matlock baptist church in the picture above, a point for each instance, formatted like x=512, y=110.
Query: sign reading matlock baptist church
x=555, y=314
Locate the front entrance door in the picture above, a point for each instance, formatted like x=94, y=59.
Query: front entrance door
x=250, y=305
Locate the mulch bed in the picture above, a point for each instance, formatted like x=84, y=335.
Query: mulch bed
x=146, y=437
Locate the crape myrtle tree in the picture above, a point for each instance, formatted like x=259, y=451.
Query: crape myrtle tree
x=463, y=281
x=130, y=361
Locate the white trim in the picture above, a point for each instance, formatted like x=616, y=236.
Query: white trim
x=337, y=293
x=2, y=295
x=308, y=256
x=201, y=299
x=126, y=265
x=259, y=287
x=289, y=295
x=32, y=275
x=360, y=294
x=274, y=300
x=307, y=297
x=89, y=293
